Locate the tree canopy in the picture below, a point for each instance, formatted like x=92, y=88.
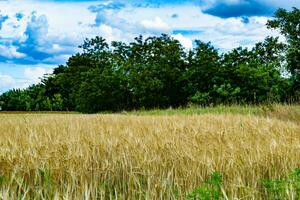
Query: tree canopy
x=288, y=22
x=157, y=72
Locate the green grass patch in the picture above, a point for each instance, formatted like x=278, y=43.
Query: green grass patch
x=197, y=110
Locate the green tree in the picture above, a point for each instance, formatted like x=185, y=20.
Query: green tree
x=254, y=75
x=155, y=69
x=200, y=75
x=157, y=72
x=288, y=22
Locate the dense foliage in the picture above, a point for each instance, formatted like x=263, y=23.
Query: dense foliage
x=157, y=72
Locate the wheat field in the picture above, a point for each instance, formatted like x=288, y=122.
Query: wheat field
x=131, y=156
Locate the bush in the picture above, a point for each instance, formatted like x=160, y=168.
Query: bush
x=211, y=189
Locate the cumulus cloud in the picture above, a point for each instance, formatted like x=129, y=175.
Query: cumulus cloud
x=3, y=18
x=10, y=52
x=36, y=38
x=21, y=76
x=186, y=42
x=6, y=81
x=113, y=20
x=33, y=74
x=32, y=43
x=107, y=13
x=156, y=25
x=232, y=32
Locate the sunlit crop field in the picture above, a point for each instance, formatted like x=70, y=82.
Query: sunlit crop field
x=141, y=156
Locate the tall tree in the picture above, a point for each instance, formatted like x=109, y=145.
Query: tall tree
x=288, y=22
x=203, y=65
x=156, y=66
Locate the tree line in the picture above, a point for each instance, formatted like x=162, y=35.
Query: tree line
x=157, y=72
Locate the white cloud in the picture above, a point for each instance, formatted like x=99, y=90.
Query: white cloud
x=21, y=76
x=155, y=25
x=10, y=52
x=35, y=73
x=231, y=33
x=110, y=33
x=186, y=42
x=67, y=31
x=6, y=81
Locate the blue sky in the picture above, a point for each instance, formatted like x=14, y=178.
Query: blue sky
x=37, y=35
